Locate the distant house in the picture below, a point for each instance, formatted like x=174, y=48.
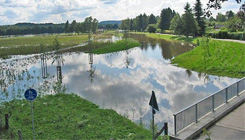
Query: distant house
x=218, y=26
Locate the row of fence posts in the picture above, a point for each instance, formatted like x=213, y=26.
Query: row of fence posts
x=7, y=127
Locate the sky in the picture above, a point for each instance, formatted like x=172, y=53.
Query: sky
x=58, y=11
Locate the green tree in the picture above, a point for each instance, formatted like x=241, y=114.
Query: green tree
x=211, y=19
x=67, y=29
x=94, y=25
x=152, y=19
x=139, y=23
x=220, y=17
x=199, y=17
x=176, y=24
x=72, y=27
x=189, y=22
x=229, y=15
x=88, y=22
x=151, y=28
x=234, y=24
x=165, y=19
x=125, y=24
x=145, y=22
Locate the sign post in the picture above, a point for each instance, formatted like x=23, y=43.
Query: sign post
x=30, y=95
x=153, y=104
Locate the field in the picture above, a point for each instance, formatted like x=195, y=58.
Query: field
x=32, y=45
x=64, y=116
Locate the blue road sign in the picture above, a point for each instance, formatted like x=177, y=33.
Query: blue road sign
x=30, y=94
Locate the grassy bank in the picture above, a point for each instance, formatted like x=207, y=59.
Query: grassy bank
x=65, y=116
x=215, y=57
x=169, y=37
x=114, y=47
x=31, y=45
x=106, y=47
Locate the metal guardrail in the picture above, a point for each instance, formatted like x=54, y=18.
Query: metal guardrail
x=209, y=104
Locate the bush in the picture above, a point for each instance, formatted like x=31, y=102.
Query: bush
x=151, y=29
x=227, y=35
x=158, y=31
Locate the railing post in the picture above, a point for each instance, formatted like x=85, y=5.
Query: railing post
x=6, y=121
x=175, y=130
x=196, y=113
x=226, y=95
x=237, y=88
x=213, y=103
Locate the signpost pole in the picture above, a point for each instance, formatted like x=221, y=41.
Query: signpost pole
x=30, y=95
x=153, y=104
x=33, y=126
x=152, y=123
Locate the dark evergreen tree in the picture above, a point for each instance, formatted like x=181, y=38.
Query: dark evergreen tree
x=72, y=27
x=166, y=16
x=67, y=28
x=152, y=19
x=145, y=22
x=139, y=23
x=229, y=14
x=199, y=17
x=189, y=22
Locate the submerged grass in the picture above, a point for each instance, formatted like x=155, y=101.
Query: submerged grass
x=31, y=45
x=215, y=57
x=114, y=47
x=64, y=116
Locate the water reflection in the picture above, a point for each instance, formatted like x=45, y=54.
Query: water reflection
x=124, y=80
x=92, y=68
x=169, y=49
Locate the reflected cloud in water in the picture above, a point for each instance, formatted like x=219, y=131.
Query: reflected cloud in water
x=123, y=81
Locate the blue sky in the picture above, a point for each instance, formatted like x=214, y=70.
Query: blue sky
x=58, y=11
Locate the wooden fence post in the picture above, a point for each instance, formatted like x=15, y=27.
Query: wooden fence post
x=7, y=121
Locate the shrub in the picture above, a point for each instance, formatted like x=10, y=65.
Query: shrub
x=151, y=29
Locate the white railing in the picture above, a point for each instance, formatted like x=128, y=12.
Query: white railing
x=195, y=111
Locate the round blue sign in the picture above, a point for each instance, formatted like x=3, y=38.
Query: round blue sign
x=30, y=94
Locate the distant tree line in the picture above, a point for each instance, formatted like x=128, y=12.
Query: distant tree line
x=139, y=23
x=31, y=28
x=109, y=26
x=89, y=25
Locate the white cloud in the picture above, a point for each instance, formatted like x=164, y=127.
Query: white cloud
x=58, y=11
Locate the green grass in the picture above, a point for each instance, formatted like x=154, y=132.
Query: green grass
x=114, y=47
x=170, y=37
x=31, y=45
x=224, y=58
x=64, y=116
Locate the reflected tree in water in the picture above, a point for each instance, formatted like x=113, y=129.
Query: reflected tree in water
x=188, y=72
x=92, y=68
x=58, y=58
x=91, y=59
x=44, y=63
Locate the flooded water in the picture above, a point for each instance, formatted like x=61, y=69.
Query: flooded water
x=122, y=81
